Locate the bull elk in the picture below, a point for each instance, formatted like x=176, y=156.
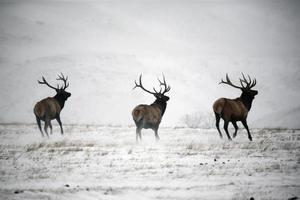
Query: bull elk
x=233, y=110
x=50, y=108
x=149, y=116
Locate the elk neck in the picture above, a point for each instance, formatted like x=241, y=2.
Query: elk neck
x=246, y=100
x=61, y=100
x=161, y=104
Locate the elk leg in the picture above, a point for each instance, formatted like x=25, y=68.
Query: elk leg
x=138, y=134
x=246, y=126
x=236, y=129
x=226, y=129
x=46, y=127
x=59, y=122
x=156, y=134
x=38, y=121
x=217, y=124
x=50, y=125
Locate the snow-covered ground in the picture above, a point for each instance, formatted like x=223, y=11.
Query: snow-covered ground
x=94, y=162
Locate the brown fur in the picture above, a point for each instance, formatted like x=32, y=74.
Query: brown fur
x=230, y=109
x=150, y=114
x=47, y=108
x=147, y=116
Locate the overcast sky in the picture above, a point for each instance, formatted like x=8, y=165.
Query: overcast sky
x=104, y=45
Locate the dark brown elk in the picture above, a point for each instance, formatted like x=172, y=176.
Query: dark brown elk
x=50, y=107
x=234, y=110
x=149, y=116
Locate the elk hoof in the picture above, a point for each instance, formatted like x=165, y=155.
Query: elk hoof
x=250, y=138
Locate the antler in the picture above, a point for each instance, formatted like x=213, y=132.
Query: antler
x=62, y=78
x=140, y=85
x=249, y=84
x=166, y=88
x=45, y=82
x=228, y=82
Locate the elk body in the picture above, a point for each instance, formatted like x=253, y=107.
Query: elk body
x=149, y=116
x=234, y=110
x=50, y=108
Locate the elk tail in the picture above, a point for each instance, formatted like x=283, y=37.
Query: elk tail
x=219, y=106
x=137, y=115
x=38, y=110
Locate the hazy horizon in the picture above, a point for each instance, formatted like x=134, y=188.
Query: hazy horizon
x=103, y=46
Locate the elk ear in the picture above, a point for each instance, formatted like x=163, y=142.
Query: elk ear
x=156, y=95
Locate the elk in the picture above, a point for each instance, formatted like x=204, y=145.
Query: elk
x=149, y=116
x=233, y=110
x=50, y=107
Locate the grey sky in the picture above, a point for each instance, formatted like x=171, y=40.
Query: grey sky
x=103, y=46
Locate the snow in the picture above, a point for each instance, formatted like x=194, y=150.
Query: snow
x=98, y=162
x=103, y=46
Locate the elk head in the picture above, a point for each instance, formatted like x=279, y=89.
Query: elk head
x=61, y=92
x=160, y=96
x=246, y=86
